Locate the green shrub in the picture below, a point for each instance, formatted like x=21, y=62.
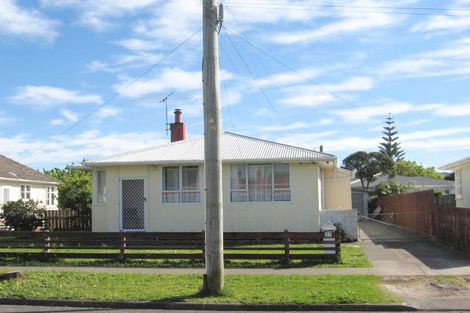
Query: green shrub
x=23, y=215
x=342, y=233
x=391, y=187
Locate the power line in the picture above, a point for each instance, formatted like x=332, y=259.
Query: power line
x=288, y=66
x=340, y=10
x=119, y=93
x=306, y=4
x=256, y=81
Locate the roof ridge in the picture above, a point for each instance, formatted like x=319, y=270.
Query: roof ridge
x=280, y=144
x=127, y=153
x=27, y=169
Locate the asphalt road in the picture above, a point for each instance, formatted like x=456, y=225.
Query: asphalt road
x=48, y=309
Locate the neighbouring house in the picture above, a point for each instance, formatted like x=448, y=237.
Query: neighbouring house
x=461, y=169
x=267, y=187
x=17, y=181
x=360, y=196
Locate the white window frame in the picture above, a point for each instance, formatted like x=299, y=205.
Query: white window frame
x=51, y=195
x=100, y=197
x=180, y=189
x=25, y=192
x=458, y=184
x=273, y=189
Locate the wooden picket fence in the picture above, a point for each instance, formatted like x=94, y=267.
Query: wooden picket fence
x=159, y=245
x=66, y=220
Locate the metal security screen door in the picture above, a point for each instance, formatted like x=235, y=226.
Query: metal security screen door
x=133, y=204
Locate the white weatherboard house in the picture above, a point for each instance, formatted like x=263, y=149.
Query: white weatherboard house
x=461, y=170
x=267, y=186
x=18, y=181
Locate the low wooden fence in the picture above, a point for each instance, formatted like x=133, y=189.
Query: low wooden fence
x=419, y=212
x=66, y=220
x=120, y=246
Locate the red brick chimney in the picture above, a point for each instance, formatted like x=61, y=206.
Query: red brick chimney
x=178, y=128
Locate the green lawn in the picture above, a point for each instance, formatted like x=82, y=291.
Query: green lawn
x=351, y=256
x=250, y=289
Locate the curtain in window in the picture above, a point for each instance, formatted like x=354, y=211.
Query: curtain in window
x=260, y=182
x=281, y=182
x=190, y=178
x=171, y=178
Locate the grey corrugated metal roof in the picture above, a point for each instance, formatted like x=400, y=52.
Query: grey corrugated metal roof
x=11, y=169
x=234, y=148
x=417, y=181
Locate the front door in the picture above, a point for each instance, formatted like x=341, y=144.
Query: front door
x=133, y=204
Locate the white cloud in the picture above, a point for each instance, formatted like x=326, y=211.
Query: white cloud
x=297, y=125
x=61, y=150
x=453, y=110
x=452, y=60
x=452, y=20
x=314, y=95
x=288, y=78
x=98, y=15
x=124, y=62
x=349, y=21
x=21, y=22
x=47, y=96
x=173, y=79
x=108, y=112
x=67, y=117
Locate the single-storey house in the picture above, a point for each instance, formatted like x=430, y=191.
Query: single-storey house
x=461, y=169
x=267, y=187
x=360, y=196
x=17, y=181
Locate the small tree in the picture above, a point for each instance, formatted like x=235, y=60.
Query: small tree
x=411, y=168
x=391, y=146
x=23, y=215
x=367, y=165
x=75, y=191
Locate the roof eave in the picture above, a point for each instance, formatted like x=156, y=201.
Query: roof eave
x=29, y=181
x=91, y=165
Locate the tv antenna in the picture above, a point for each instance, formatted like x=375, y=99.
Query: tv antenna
x=165, y=100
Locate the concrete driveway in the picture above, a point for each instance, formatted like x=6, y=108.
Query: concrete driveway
x=394, y=251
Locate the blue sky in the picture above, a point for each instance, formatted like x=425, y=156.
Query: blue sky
x=322, y=73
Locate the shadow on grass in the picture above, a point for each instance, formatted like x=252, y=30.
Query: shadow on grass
x=276, y=264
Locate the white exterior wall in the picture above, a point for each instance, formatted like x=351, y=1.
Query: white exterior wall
x=38, y=191
x=464, y=202
x=299, y=214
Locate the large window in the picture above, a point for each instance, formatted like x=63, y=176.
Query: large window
x=25, y=192
x=50, y=200
x=100, y=187
x=259, y=183
x=458, y=185
x=181, y=184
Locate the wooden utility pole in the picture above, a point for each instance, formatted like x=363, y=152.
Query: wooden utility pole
x=214, y=252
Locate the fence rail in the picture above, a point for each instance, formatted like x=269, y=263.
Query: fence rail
x=120, y=246
x=420, y=212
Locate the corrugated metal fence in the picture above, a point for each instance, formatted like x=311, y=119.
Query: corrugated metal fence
x=419, y=212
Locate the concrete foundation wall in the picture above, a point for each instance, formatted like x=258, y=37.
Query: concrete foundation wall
x=347, y=219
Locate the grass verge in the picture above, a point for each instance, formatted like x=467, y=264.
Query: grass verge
x=248, y=289
x=351, y=256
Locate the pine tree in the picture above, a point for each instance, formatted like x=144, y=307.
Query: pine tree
x=391, y=145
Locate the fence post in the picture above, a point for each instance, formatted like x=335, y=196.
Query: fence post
x=47, y=244
x=204, y=247
x=329, y=241
x=122, y=250
x=286, y=246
